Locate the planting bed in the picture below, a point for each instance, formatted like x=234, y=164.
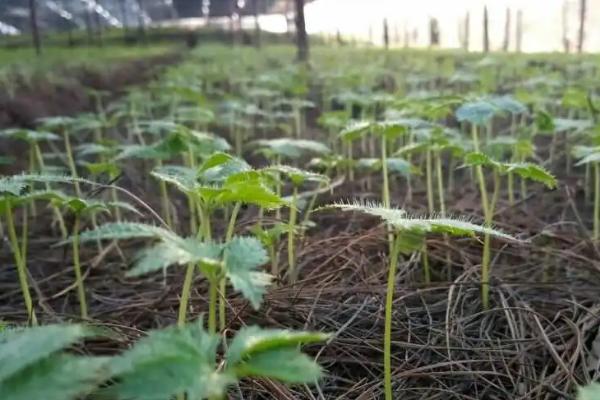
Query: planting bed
x=530, y=330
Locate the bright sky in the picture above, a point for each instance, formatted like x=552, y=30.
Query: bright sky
x=542, y=20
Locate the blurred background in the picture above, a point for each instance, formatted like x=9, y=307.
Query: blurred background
x=523, y=25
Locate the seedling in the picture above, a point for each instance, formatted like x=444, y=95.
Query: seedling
x=297, y=177
x=184, y=361
x=591, y=156
x=81, y=208
x=236, y=261
x=524, y=171
x=409, y=236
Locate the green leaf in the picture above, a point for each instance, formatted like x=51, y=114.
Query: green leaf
x=174, y=252
x=476, y=112
x=296, y=175
x=292, y=148
x=251, y=341
x=508, y=104
x=402, y=222
x=243, y=256
x=126, y=230
x=532, y=172
x=20, y=348
x=58, y=377
x=355, y=130
x=184, y=178
x=169, y=362
x=544, y=121
x=287, y=365
x=589, y=392
x=28, y=135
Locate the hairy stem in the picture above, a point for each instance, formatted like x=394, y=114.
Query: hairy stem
x=21, y=266
x=596, y=201
x=77, y=266
x=440, y=183
x=57, y=213
x=387, y=335
x=185, y=294
x=428, y=168
x=212, y=305
x=71, y=161
x=291, y=228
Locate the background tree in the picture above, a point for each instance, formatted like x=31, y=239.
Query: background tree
x=506, y=42
x=35, y=33
x=301, y=36
x=582, y=15
x=486, y=34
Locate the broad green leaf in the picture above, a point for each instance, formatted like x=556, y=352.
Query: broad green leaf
x=57, y=377
x=296, y=175
x=251, y=341
x=355, y=130
x=508, y=104
x=476, y=112
x=243, y=256
x=292, y=148
x=169, y=362
x=20, y=348
x=174, y=252
x=126, y=230
x=402, y=222
x=184, y=178
x=532, y=172
x=287, y=365
x=28, y=135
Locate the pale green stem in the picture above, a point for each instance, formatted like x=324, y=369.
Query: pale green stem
x=212, y=305
x=426, y=268
x=596, y=201
x=71, y=161
x=77, y=266
x=223, y=281
x=389, y=304
x=21, y=266
x=185, y=294
x=32, y=171
x=440, y=183
x=291, y=227
x=57, y=213
x=430, y=205
x=164, y=197
x=24, y=235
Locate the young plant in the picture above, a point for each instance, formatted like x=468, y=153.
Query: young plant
x=297, y=177
x=236, y=260
x=524, y=171
x=36, y=159
x=81, y=208
x=42, y=369
x=409, y=236
x=182, y=361
x=591, y=156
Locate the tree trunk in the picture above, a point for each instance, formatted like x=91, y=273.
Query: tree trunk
x=565, y=27
x=582, y=15
x=434, y=32
x=467, y=31
x=35, y=33
x=123, y=11
x=486, y=35
x=519, y=38
x=506, y=42
x=301, y=36
x=256, y=23
x=386, y=34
